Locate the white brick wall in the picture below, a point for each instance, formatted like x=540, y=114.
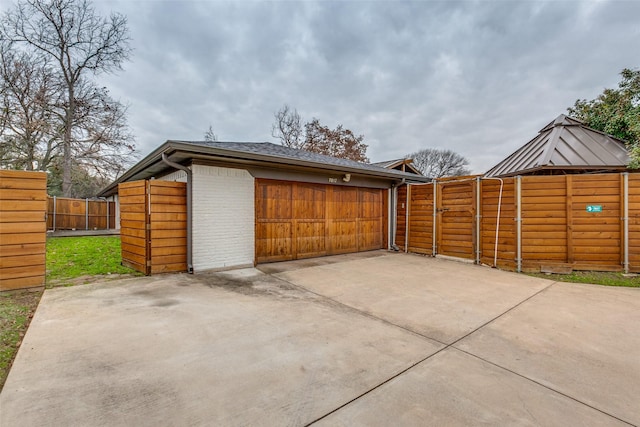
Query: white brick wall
x=223, y=216
x=177, y=176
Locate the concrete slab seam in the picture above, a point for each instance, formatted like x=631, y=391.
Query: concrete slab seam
x=542, y=385
x=453, y=345
x=376, y=386
x=365, y=314
x=502, y=314
x=446, y=346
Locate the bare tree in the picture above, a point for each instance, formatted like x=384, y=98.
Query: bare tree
x=28, y=96
x=209, y=136
x=338, y=142
x=84, y=183
x=437, y=163
x=288, y=127
x=101, y=136
x=79, y=44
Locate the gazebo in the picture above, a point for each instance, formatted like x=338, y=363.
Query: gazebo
x=565, y=146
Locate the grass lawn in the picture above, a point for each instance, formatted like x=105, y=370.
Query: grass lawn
x=77, y=260
x=70, y=261
x=16, y=310
x=594, y=277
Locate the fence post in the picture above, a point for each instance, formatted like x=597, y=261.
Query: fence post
x=434, y=245
x=519, y=224
x=625, y=220
x=55, y=205
x=478, y=217
x=86, y=214
x=107, y=214
x=406, y=220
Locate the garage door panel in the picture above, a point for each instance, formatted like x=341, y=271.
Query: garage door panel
x=370, y=204
x=344, y=203
x=370, y=234
x=310, y=239
x=273, y=201
x=302, y=220
x=309, y=202
x=342, y=237
x=274, y=241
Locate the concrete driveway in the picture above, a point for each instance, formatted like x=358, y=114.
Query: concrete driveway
x=367, y=339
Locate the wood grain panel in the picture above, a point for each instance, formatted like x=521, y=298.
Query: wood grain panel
x=421, y=219
x=166, y=197
x=153, y=226
x=309, y=220
x=80, y=214
x=297, y=220
x=401, y=217
x=555, y=223
x=595, y=190
x=493, y=228
x=456, y=205
x=133, y=233
x=274, y=241
x=23, y=227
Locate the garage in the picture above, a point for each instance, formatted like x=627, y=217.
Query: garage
x=296, y=220
x=250, y=203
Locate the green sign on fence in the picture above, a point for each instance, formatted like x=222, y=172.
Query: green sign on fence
x=594, y=208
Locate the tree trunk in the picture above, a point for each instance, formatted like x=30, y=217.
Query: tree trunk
x=67, y=162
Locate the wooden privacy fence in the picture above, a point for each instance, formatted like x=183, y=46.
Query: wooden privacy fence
x=527, y=223
x=23, y=233
x=153, y=226
x=80, y=214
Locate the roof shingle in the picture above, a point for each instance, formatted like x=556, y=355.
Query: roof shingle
x=282, y=152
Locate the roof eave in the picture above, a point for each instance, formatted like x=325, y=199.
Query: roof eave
x=172, y=147
x=278, y=160
x=561, y=167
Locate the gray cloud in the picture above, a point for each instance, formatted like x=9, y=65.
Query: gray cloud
x=478, y=77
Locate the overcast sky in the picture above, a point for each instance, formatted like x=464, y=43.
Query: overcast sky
x=478, y=77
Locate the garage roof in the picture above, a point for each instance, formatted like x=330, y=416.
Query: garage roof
x=565, y=144
x=399, y=164
x=251, y=154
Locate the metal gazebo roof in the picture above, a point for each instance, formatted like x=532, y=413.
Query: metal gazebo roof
x=565, y=144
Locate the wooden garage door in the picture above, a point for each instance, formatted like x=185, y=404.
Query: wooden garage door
x=300, y=220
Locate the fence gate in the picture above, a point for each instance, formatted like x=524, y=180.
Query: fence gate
x=153, y=226
x=23, y=232
x=456, y=212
